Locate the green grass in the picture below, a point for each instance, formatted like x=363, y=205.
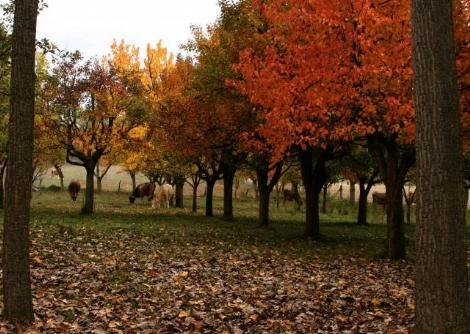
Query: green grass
x=56, y=213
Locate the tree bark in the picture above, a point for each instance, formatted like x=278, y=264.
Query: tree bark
x=362, y=210
x=17, y=296
x=364, y=191
x=394, y=162
x=132, y=175
x=314, y=177
x=195, y=197
x=209, y=197
x=442, y=300
x=89, y=191
x=99, y=185
x=229, y=175
x=396, y=248
x=2, y=192
x=264, y=195
x=179, y=192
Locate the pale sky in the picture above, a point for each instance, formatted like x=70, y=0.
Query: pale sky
x=91, y=25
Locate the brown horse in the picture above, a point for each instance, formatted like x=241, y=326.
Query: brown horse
x=379, y=198
x=141, y=191
x=74, y=189
x=291, y=196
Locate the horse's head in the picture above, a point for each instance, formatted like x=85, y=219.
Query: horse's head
x=131, y=199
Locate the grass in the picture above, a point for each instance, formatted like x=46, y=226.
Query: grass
x=55, y=212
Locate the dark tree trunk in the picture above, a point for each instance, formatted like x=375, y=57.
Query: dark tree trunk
x=394, y=163
x=195, y=197
x=396, y=246
x=364, y=191
x=442, y=300
x=314, y=177
x=132, y=175
x=352, y=193
x=99, y=185
x=89, y=191
x=209, y=197
x=229, y=175
x=362, y=210
x=341, y=191
x=179, y=192
x=2, y=192
x=325, y=197
x=17, y=297
x=265, y=187
x=264, y=195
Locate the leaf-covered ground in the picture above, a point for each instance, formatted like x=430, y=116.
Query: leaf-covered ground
x=131, y=270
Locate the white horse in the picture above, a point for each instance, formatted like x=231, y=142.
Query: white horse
x=163, y=194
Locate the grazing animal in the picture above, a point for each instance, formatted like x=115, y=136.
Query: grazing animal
x=291, y=196
x=163, y=193
x=141, y=191
x=74, y=189
x=379, y=198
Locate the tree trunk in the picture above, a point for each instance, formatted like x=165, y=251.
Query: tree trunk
x=396, y=246
x=362, y=210
x=195, y=186
x=442, y=300
x=60, y=173
x=352, y=193
x=179, y=192
x=325, y=195
x=229, y=175
x=17, y=297
x=132, y=175
x=408, y=213
x=89, y=192
x=2, y=192
x=99, y=186
x=209, y=197
x=313, y=178
x=264, y=195
x=341, y=191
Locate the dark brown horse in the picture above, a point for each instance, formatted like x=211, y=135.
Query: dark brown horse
x=141, y=191
x=291, y=196
x=379, y=198
x=74, y=189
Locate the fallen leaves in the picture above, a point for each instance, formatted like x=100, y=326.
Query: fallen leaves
x=117, y=282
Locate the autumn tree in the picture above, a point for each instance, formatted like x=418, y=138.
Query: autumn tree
x=295, y=79
x=17, y=297
x=83, y=107
x=442, y=303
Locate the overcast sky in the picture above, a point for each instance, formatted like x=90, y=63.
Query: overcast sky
x=91, y=25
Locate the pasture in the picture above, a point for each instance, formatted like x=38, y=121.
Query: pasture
x=132, y=269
